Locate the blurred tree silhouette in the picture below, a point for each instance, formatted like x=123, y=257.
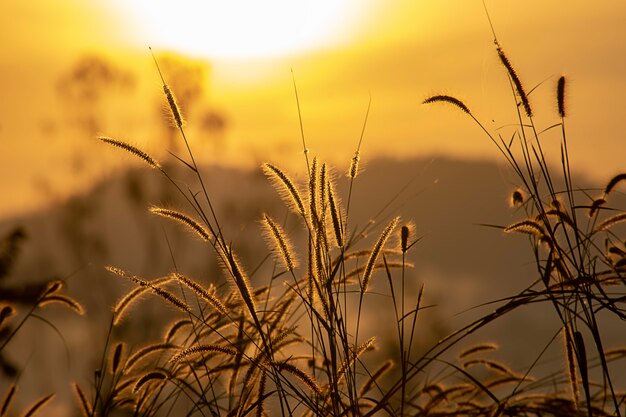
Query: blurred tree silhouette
x=12, y=294
x=83, y=90
x=84, y=86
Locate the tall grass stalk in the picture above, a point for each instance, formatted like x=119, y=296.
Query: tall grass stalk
x=566, y=244
x=257, y=348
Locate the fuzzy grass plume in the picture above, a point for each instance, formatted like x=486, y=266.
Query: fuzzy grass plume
x=441, y=98
x=610, y=222
x=354, y=166
x=126, y=301
x=336, y=215
x=150, y=376
x=289, y=191
x=131, y=149
x=184, y=219
x=371, y=262
x=169, y=96
x=164, y=294
x=202, y=293
x=560, y=96
x=528, y=226
x=196, y=350
x=613, y=183
x=521, y=92
x=142, y=353
x=282, y=247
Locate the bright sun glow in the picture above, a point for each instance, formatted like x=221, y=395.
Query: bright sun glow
x=243, y=28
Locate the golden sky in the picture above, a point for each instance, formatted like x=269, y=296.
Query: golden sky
x=395, y=51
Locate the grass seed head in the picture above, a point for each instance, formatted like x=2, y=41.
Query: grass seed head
x=613, y=182
x=150, y=376
x=174, y=328
x=37, y=405
x=153, y=286
x=187, y=221
x=282, y=247
x=322, y=194
x=481, y=347
x=516, y=81
x=610, y=222
x=117, y=357
x=305, y=378
x=404, y=238
x=132, y=149
x=64, y=300
x=560, y=95
x=517, y=198
x=202, y=293
x=122, y=305
x=132, y=360
x=406, y=234
x=85, y=405
x=261, y=394
x=231, y=265
x=286, y=188
x=354, y=165
x=529, y=226
x=336, y=215
x=596, y=205
x=173, y=105
x=196, y=350
x=380, y=243
x=442, y=98
x=313, y=191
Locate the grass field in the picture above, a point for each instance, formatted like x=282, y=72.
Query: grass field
x=290, y=335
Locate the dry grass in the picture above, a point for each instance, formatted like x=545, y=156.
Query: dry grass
x=292, y=345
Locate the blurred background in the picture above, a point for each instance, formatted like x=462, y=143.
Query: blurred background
x=73, y=70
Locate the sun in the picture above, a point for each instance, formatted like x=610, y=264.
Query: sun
x=222, y=29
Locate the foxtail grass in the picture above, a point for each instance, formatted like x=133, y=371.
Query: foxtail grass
x=280, y=243
x=371, y=262
x=286, y=187
x=566, y=243
x=183, y=219
x=516, y=81
x=288, y=339
x=131, y=149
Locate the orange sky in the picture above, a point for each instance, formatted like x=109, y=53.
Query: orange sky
x=397, y=51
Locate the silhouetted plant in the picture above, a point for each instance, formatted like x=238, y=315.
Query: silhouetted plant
x=294, y=345
x=20, y=303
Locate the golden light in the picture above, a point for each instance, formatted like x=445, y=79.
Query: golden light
x=242, y=28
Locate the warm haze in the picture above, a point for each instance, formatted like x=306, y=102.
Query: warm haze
x=243, y=29
x=310, y=285
x=341, y=53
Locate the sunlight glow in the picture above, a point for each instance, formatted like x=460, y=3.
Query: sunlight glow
x=242, y=28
